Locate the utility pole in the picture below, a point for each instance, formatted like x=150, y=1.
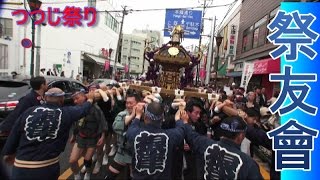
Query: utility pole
x=129, y=59
x=33, y=45
x=37, y=68
x=124, y=12
x=201, y=31
x=211, y=50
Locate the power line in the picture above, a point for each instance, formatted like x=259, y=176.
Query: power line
x=68, y=2
x=145, y=10
x=229, y=9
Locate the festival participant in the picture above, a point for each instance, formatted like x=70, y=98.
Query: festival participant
x=153, y=147
x=194, y=109
x=224, y=159
x=34, y=98
x=90, y=134
x=122, y=158
x=256, y=135
x=40, y=135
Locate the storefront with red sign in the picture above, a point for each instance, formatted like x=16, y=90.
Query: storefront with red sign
x=262, y=69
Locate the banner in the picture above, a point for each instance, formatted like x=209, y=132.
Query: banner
x=107, y=65
x=202, y=73
x=295, y=32
x=126, y=68
x=246, y=74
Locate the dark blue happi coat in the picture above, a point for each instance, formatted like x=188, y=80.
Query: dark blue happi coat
x=153, y=149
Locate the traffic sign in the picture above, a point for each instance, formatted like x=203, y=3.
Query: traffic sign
x=190, y=20
x=26, y=43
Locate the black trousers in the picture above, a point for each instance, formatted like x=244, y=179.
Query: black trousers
x=48, y=173
x=191, y=172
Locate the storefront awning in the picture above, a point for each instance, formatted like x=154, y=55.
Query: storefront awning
x=101, y=61
x=266, y=66
x=234, y=74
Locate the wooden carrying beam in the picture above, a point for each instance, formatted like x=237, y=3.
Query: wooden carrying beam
x=169, y=92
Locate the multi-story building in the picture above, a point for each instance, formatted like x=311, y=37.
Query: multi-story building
x=227, y=51
x=132, y=53
x=134, y=44
x=253, y=45
x=72, y=50
x=154, y=37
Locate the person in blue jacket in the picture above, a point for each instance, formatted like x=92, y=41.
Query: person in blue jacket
x=153, y=147
x=39, y=136
x=33, y=98
x=224, y=159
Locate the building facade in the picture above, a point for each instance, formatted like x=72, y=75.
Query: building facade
x=253, y=45
x=132, y=53
x=228, y=48
x=133, y=46
x=62, y=48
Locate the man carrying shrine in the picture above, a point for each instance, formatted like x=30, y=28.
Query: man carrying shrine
x=121, y=123
x=153, y=147
x=224, y=159
x=39, y=136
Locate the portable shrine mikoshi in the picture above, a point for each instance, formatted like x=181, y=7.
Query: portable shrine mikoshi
x=176, y=73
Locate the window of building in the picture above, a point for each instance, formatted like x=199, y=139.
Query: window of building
x=153, y=39
x=272, y=14
x=111, y=22
x=92, y=3
x=6, y=27
x=247, y=39
x=135, y=50
x=259, y=34
x=255, y=38
x=3, y=56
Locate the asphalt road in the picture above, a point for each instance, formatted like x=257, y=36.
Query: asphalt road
x=66, y=173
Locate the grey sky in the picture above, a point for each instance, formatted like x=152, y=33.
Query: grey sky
x=154, y=20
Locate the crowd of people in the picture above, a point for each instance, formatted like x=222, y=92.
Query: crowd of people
x=153, y=137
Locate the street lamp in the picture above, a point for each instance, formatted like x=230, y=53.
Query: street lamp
x=33, y=5
x=219, y=39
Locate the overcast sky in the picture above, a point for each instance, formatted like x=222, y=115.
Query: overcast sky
x=154, y=20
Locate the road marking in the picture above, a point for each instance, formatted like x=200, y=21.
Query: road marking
x=68, y=172
x=265, y=174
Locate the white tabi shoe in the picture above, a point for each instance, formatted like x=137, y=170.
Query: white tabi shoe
x=105, y=160
x=83, y=170
x=96, y=168
x=77, y=176
x=87, y=176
